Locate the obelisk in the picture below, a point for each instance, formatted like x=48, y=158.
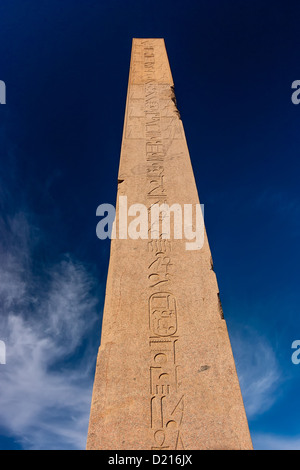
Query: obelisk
x=165, y=376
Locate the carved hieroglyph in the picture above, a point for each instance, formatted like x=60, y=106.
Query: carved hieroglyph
x=165, y=375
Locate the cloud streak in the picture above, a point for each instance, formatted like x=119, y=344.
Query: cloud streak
x=266, y=441
x=258, y=369
x=47, y=323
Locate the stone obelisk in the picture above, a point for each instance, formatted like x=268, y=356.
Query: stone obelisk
x=165, y=375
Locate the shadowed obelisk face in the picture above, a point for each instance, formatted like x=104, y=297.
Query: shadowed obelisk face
x=165, y=376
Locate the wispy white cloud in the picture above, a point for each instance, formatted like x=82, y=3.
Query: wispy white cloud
x=275, y=442
x=258, y=369
x=46, y=321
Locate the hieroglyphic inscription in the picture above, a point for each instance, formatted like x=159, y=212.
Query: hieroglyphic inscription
x=163, y=315
x=166, y=399
x=145, y=56
x=145, y=72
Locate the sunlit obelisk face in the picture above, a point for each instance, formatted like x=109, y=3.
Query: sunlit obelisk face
x=165, y=376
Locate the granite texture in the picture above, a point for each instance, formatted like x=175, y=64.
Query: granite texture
x=165, y=376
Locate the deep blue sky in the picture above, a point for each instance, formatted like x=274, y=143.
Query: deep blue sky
x=65, y=65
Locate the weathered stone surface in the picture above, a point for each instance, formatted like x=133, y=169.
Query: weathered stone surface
x=169, y=385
